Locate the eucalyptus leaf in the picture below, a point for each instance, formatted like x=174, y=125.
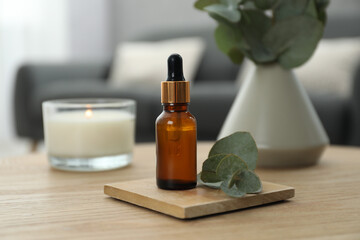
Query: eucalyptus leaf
x=322, y=16
x=294, y=39
x=209, y=167
x=249, y=4
x=247, y=181
x=215, y=185
x=234, y=177
x=220, y=19
x=282, y=34
x=311, y=9
x=228, y=38
x=290, y=8
x=321, y=6
x=229, y=165
x=233, y=191
x=241, y=144
x=209, y=177
x=227, y=9
x=236, y=55
x=264, y=4
x=201, y=4
x=254, y=25
x=226, y=169
x=213, y=161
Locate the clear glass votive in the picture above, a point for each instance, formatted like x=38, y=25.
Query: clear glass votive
x=89, y=134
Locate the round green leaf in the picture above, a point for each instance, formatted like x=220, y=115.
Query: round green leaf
x=228, y=37
x=236, y=55
x=248, y=4
x=241, y=144
x=229, y=165
x=227, y=9
x=264, y=4
x=311, y=9
x=209, y=167
x=212, y=162
x=233, y=178
x=302, y=47
x=254, y=25
x=322, y=17
x=248, y=182
x=294, y=39
x=209, y=177
x=225, y=38
x=231, y=191
x=321, y=5
x=215, y=185
x=289, y=8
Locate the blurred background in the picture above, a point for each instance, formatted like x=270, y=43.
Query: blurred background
x=64, y=31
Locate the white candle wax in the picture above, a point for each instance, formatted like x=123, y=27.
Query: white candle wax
x=85, y=134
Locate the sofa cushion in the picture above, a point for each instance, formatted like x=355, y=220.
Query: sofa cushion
x=146, y=62
x=332, y=68
x=214, y=65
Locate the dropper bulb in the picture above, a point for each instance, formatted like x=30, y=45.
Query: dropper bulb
x=175, y=68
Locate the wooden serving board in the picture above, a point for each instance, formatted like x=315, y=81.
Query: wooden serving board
x=197, y=202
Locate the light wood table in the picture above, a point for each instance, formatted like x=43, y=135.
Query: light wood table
x=37, y=202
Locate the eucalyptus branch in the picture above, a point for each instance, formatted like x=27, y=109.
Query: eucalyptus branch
x=267, y=26
x=231, y=164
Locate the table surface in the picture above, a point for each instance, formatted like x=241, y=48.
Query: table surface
x=37, y=202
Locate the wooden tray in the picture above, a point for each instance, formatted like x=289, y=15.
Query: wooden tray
x=197, y=202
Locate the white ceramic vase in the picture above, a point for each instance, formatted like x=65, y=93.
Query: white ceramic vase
x=274, y=107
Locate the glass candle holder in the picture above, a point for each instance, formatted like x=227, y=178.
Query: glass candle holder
x=89, y=134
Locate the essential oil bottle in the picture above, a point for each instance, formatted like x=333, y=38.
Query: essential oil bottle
x=175, y=132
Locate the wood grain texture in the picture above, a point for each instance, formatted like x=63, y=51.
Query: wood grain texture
x=197, y=202
x=37, y=202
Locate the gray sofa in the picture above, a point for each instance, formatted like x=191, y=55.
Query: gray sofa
x=212, y=94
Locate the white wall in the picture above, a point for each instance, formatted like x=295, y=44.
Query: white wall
x=47, y=31
x=90, y=29
x=30, y=31
x=96, y=26
x=134, y=17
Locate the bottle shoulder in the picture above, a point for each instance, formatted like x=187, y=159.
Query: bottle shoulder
x=176, y=118
x=191, y=116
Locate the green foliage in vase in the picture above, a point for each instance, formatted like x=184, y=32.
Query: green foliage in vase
x=267, y=31
x=230, y=166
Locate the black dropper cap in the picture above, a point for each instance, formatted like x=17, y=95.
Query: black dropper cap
x=175, y=68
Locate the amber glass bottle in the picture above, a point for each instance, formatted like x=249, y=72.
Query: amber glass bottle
x=175, y=132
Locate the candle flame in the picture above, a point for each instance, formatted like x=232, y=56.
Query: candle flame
x=88, y=113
